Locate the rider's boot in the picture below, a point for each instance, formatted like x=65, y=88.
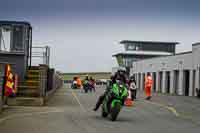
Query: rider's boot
x=99, y=102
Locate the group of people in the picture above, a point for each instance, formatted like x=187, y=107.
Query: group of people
x=88, y=84
x=148, y=86
x=76, y=83
x=129, y=83
x=120, y=77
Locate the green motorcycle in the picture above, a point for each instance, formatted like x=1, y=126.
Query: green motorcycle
x=114, y=101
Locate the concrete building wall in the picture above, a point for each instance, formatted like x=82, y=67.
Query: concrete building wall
x=1, y=86
x=164, y=63
x=196, y=65
x=178, y=74
x=17, y=61
x=18, y=55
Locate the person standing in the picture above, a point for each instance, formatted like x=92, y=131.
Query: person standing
x=93, y=84
x=74, y=83
x=79, y=82
x=133, y=88
x=86, y=84
x=148, y=85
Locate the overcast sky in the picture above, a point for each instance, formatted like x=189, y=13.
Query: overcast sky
x=83, y=34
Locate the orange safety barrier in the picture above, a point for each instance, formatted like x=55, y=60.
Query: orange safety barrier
x=128, y=101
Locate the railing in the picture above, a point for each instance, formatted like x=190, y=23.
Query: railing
x=40, y=55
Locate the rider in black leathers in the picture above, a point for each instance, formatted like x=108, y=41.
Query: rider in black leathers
x=119, y=75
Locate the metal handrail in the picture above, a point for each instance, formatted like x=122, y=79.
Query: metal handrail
x=44, y=54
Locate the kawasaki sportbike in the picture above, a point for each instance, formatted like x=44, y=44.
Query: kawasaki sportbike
x=114, y=101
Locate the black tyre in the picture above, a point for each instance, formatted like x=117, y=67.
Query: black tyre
x=104, y=114
x=115, y=111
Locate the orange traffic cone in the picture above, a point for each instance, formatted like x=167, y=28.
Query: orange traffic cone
x=128, y=101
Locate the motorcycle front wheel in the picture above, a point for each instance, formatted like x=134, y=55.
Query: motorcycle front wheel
x=115, y=111
x=104, y=114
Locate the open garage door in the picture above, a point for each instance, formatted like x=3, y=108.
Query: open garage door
x=186, y=82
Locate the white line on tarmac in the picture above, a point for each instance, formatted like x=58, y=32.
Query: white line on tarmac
x=171, y=109
x=78, y=101
x=174, y=111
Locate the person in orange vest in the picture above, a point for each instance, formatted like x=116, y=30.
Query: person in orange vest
x=148, y=85
x=79, y=82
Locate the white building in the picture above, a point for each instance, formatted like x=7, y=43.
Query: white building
x=139, y=50
x=175, y=74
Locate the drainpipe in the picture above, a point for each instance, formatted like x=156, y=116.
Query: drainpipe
x=30, y=63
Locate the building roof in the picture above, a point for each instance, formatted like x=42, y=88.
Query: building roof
x=194, y=44
x=132, y=53
x=181, y=53
x=187, y=52
x=14, y=22
x=148, y=42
